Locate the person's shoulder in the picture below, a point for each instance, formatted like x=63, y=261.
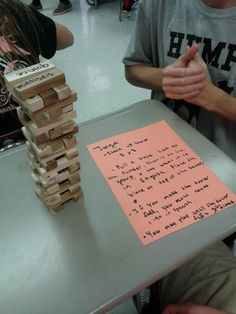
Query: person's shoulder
x=150, y=5
x=157, y=4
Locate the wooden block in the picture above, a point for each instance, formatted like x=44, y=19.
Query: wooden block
x=44, y=153
x=74, y=167
x=73, y=188
x=72, y=152
x=38, y=83
x=34, y=162
x=46, y=119
x=46, y=182
x=49, y=117
x=56, y=209
x=56, y=132
x=50, y=148
x=61, y=161
x=50, y=135
x=62, y=164
x=35, y=178
x=67, y=108
x=35, y=109
x=23, y=117
x=56, y=201
x=59, y=188
x=53, y=189
x=59, y=104
x=51, y=164
x=61, y=126
x=67, y=117
x=31, y=104
x=74, y=177
x=54, y=161
x=63, y=91
x=60, y=176
x=40, y=139
x=49, y=97
x=65, y=196
x=25, y=73
x=30, y=154
x=69, y=140
x=68, y=154
x=65, y=128
x=43, y=120
x=57, y=146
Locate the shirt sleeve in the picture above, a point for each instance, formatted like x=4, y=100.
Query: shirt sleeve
x=46, y=36
x=43, y=36
x=139, y=50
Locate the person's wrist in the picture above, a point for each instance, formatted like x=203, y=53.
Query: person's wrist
x=216, y=96
x=160, y=76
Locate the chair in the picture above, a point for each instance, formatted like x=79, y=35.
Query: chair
x=11, y=139
x=147, y=301
x=92, y=3
x=95, y=4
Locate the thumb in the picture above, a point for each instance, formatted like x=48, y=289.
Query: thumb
x=188, y=55
x=199, y=59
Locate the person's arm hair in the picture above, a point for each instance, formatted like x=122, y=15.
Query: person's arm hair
x=218, y=101
x=64, y=37
x=191, y=308
x=188, y=78
x=211, y=97
x=144, y=76
x=154, y=78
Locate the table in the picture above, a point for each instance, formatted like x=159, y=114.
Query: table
x=88, y=259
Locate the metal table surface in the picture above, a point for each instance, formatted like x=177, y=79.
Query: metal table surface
x=88, y=259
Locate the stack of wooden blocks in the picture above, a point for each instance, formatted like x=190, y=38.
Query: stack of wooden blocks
x=46, y=112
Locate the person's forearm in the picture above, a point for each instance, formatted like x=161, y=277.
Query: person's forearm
x=220, y=103
x=144, y=76
x=212, y=98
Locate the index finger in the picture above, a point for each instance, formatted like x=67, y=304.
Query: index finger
x=189, y=54
x=181, y=71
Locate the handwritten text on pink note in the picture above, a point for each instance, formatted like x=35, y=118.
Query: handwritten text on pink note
x=160, y=183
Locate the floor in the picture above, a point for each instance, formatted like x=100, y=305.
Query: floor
x=93, y=65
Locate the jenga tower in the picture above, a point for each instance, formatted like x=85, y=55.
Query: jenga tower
x=46, y=112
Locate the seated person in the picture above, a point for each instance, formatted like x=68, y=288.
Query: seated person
x=184, y=52
x=25, y=34
x=204, y=285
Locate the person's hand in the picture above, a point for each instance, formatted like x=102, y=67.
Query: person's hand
x=181, y=81
x=190, y=308
x=205, y=97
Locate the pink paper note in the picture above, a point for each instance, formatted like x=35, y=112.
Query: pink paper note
x=160, y=183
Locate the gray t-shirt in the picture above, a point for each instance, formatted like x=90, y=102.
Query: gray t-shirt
x=164, y=28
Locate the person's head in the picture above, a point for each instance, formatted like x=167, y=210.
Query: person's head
x=220, y=4
x=13, y=41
